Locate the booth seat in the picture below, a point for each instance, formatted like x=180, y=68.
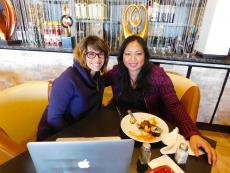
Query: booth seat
x=188, y=93
x=21, y=108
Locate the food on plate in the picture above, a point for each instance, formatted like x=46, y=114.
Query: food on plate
x=143, y=136
x=156, y=131
x=132, y=120
x=148, y=130
x=149, y=126
x=162, y=169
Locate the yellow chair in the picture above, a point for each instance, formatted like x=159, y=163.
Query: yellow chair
x=187, y=92
x=21, y=108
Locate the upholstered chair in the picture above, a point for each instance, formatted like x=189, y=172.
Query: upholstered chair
x=188, y=93
x=21, y=108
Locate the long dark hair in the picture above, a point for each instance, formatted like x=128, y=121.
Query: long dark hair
x=142, y=82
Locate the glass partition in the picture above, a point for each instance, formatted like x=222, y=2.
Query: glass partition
x=173, y=25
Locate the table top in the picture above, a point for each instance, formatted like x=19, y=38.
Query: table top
x=105, y=122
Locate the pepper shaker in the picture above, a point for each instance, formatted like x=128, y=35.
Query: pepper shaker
x=145, y=153
x=181, y=155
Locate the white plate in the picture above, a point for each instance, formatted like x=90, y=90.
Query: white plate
x=126, y=126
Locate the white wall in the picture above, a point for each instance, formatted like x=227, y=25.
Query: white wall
x=18, y=66
x=214, y=35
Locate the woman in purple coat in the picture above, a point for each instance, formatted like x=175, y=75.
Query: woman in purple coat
x=78, y=90
x=138, y=84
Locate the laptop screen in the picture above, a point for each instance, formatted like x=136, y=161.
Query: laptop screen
x=82, y=156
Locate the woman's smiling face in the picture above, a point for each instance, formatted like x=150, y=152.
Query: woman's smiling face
x=134, y=57
x=94, y=59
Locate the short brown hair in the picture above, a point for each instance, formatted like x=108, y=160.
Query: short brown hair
x=96, y=43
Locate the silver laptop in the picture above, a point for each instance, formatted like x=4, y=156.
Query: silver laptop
x=103, y=156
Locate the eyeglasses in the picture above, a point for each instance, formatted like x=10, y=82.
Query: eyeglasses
x=92, y=55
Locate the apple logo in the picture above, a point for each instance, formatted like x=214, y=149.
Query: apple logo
x=84, y=164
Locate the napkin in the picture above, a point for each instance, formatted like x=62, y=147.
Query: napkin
x=172, y=141
x=165, y=160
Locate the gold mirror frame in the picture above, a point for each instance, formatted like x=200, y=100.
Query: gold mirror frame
x=7, y=21
x=137, y=23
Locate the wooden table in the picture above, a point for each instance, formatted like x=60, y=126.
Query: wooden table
x=105, y=122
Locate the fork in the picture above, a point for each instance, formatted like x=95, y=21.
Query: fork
x=132, y=119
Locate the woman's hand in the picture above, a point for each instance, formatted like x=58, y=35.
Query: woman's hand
x=196, y=142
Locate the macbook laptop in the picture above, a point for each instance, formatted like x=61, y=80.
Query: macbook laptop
x=100, y=156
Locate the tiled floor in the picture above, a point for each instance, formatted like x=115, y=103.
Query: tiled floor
x=222, y=149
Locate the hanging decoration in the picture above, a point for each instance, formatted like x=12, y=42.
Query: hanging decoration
x=7, y=20
x=135, y=21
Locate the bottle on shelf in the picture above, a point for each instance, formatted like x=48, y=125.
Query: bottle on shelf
x=58, y=33
x=46, y=34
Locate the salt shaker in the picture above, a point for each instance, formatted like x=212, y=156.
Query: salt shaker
x=182, y=154
x=145, y=153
